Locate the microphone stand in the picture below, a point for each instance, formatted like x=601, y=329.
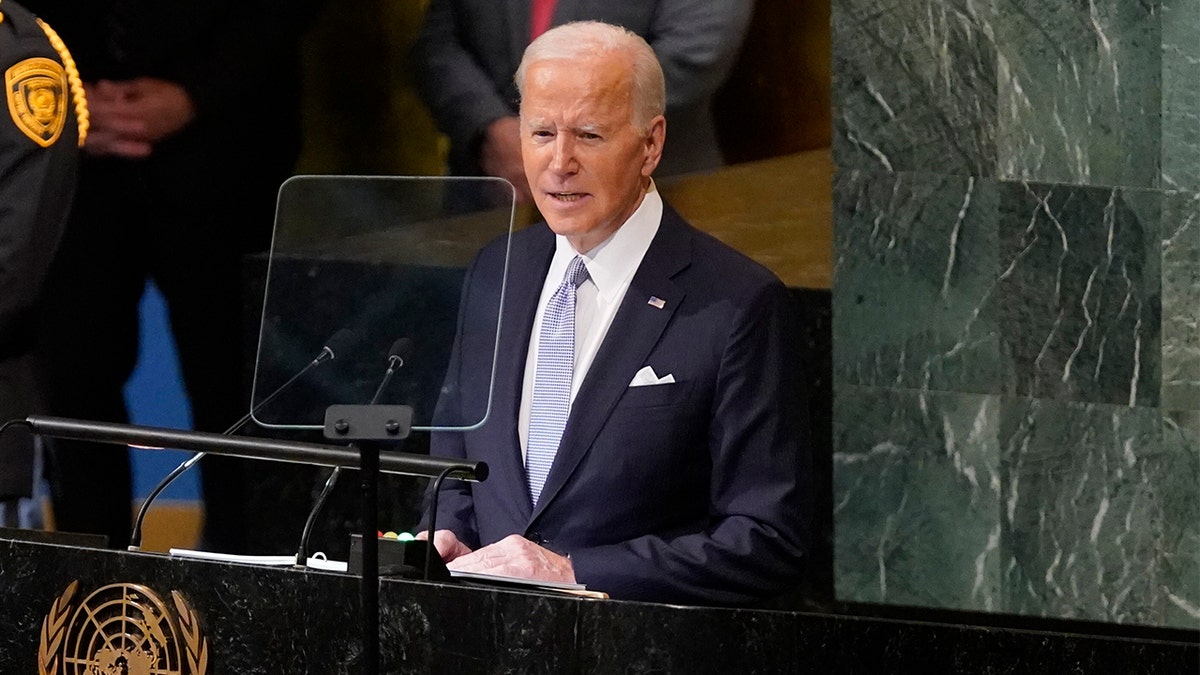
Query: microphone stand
x=394, y=362
x=373, y=428
x=377, y=426
x=334, y=344
x=135, y=537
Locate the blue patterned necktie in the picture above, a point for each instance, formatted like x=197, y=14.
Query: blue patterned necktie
x=552, y=379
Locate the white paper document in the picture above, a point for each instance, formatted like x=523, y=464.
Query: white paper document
x=533, y=583
x=317, y=562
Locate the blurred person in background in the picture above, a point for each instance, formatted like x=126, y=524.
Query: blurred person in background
x=195, y=123
x=468, y=50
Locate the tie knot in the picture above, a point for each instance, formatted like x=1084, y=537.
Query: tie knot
x=577, y=272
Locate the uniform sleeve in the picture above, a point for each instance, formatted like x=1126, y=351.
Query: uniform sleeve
x=754, y=544
x=36, y=187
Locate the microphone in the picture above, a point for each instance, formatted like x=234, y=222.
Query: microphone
x=400, y=352
x=339, y=342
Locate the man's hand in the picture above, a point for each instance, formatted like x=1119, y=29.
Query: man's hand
x=447, y=544
x=500, y=155
x=129, y=117
x=516, y=556
x=113, y=131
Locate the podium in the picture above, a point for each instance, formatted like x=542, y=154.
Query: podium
x=248, y=619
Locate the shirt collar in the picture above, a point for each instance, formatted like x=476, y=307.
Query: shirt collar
x=612, y=262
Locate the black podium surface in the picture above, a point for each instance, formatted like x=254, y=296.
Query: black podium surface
x=249, y=619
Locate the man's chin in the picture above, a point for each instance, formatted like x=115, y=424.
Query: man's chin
x=564, y=218
x=563, y=225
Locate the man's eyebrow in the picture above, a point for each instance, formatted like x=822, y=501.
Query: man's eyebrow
x=586, y=128
x=543, y=123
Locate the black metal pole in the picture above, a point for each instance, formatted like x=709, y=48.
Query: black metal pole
x=158, y=438
x=369, y=475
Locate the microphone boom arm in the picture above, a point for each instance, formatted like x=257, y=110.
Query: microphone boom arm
x=157, y=438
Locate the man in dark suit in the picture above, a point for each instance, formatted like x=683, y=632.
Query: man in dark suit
x=645, y=436
x=467, y=51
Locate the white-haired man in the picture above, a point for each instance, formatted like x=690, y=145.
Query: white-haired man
x=647, y=437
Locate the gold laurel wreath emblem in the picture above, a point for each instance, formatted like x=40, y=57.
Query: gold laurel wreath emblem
x=193, y=638
x=54, y=626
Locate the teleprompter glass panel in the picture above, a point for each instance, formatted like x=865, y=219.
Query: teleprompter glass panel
x=363, y=268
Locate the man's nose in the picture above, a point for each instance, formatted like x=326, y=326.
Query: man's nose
x=563, y=160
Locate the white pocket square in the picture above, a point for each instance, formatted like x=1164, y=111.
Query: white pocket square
x=646, y=376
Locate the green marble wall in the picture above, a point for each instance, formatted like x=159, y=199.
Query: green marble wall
x=1016, y=306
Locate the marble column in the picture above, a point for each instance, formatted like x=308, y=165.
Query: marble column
x=1016, y=305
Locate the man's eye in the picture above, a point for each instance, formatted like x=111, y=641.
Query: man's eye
x=589, y=136
x=543, y=133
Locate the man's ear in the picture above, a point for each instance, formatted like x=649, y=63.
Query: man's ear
x=654, y=144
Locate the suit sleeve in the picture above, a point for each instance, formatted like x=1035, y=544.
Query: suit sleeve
x=696, y=42
x=458, y=90
x=754, y=543
x=456, y=509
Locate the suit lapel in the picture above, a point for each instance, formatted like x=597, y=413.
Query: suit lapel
x=527, y=272
x=634, y=331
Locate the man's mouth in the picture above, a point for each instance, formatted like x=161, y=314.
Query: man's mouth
x=567, y=196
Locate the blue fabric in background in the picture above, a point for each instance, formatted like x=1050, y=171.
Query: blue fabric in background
x=154, y=395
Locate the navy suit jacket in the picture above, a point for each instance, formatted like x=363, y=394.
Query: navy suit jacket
x=687, y=492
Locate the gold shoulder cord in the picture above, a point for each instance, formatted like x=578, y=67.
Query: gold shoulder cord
x=81, y=110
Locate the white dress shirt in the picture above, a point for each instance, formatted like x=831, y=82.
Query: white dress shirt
x=611, y=265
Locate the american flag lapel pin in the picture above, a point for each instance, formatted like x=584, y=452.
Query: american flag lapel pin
x=656, y=302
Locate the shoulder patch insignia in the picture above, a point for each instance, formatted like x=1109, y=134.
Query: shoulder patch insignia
x=36, y=90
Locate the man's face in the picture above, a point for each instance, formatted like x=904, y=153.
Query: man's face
x=587, y=165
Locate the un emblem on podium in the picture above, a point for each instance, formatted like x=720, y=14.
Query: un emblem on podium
x=121, y=629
